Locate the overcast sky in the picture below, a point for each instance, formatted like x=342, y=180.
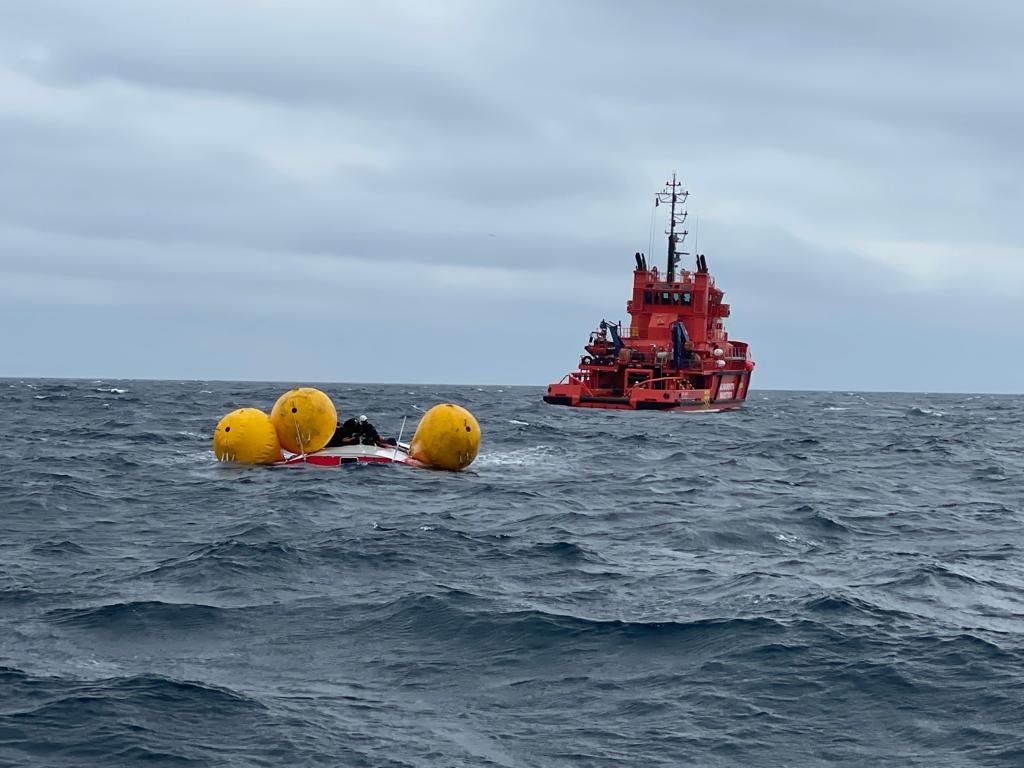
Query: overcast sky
x=453, y=191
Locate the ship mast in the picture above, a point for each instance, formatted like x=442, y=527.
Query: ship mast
x=675, y=197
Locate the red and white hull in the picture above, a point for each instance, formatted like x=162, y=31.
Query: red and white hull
x=353, y=454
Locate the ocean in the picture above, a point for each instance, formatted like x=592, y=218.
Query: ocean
x=822, y=578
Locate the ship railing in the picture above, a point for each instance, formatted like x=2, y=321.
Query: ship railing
x=639, y=356
x=578, y=378
x=647, y=383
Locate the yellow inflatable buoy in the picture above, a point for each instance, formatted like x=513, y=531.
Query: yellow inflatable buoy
x=305, y=420
x=447, y=437
x=246, y=436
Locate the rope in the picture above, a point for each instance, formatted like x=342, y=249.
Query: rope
x=298, y=438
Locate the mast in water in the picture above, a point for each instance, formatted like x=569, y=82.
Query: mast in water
x=672, y=195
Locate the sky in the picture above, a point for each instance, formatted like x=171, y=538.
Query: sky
x=452, y=192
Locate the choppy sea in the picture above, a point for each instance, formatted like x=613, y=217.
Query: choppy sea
x=819, y=579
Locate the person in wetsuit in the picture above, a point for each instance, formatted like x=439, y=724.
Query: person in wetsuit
x=356, y=432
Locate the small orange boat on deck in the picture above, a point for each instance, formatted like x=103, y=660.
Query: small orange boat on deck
x=676, y=354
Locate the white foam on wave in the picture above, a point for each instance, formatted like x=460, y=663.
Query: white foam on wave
x=521, y=457
x=795, y=541
x=836, y=408
x=111, y=390
x=189, y=458
x=519, y=423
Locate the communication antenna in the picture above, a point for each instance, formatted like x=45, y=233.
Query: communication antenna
x=676, y=197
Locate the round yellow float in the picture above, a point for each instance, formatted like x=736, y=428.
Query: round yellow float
x=305, y=420
x=246, y=436
x=447, y=437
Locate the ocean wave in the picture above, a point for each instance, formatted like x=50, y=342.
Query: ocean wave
x=476, y=622
x=136, y=616
x=15, y=596
x=138, y=688
x=359, y=553
x=59, y=548
x=152, y=437
x=821, y=521
x=140, y=719
x=565, y=550
x=917, y=410
x=234, y=555
x=850, y=607
x=932, y=574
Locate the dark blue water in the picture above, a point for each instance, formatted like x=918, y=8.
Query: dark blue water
x=820, y=579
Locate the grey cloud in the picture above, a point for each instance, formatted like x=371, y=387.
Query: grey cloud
x=111, y=183
x=252, y=51
x=199, y=160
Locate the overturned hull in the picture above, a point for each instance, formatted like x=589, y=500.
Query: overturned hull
x=353, y=454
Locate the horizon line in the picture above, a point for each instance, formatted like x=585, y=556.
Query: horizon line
x=472, y=384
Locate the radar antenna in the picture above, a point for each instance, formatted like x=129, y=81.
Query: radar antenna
x=677, y=198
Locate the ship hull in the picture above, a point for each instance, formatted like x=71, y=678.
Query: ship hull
x=724, y=393
x=615, y=404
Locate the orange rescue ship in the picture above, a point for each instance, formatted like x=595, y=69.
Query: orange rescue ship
x=676, y=354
